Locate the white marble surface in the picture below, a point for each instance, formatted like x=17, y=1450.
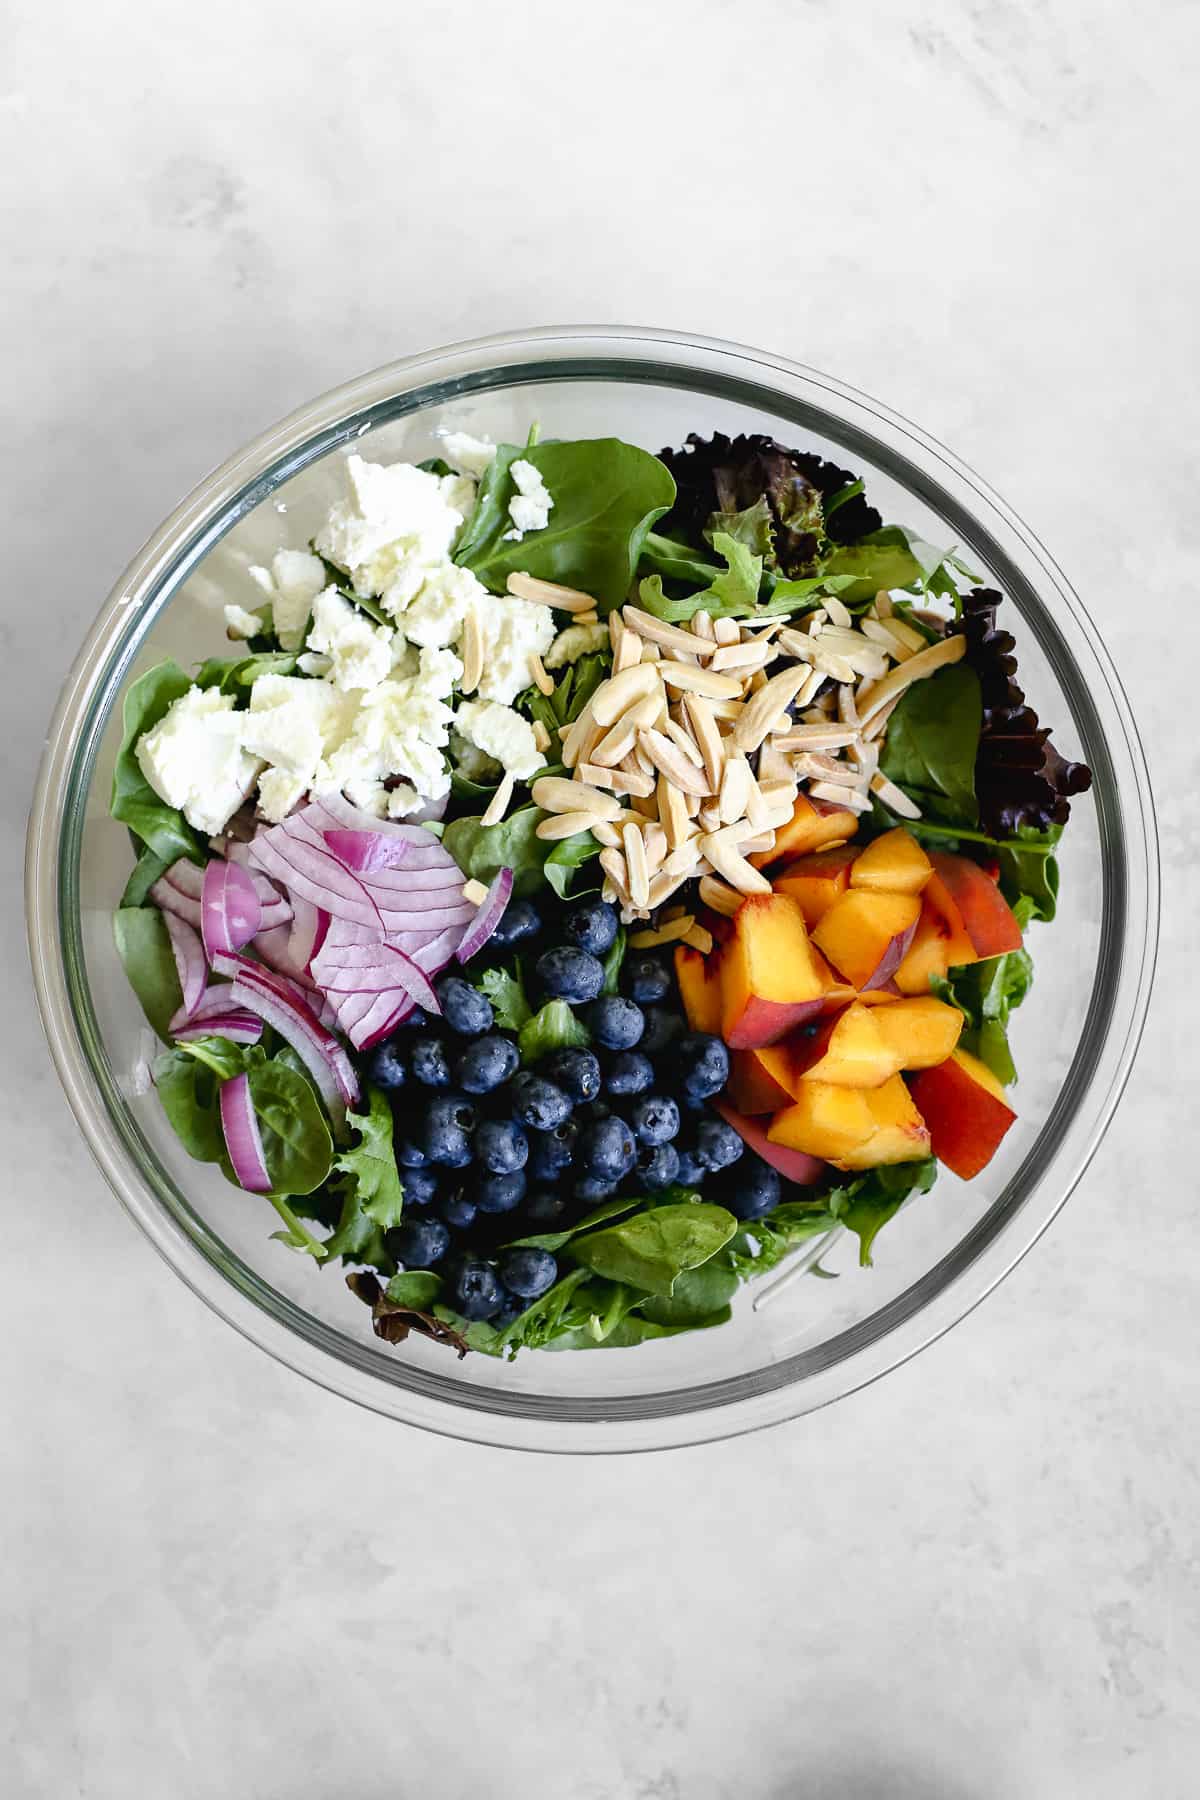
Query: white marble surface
x=976, y=1581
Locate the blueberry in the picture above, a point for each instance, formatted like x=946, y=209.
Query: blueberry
x=570, y=974
x=448, y=1120
x=428, y=1060
x=629, y=1073
x=717, y=1144
x=576, y=1072
x=500, y=1193
x=421, y=1242
x=545, y=1207
x=592, y=926
x=752, y=1190
x=645, y=980
x=656, y=1120
x=537, y=1102
x=703, y=1064
x=593, y=1188
x=487, y=1063
x=420, y=1186
x=528, y=1273
x=550, y=1152
x=477, y=1291
x=615, y=1023
x=458, y=1211
x=386, y=1067
x=658, y=1168
x=607, y=1149
x=464, y=1008
x=501, y=1146
x=519, y=923
x=596, y=1109
x=691, y=1172
x=662, y=1028
x=410, y=1155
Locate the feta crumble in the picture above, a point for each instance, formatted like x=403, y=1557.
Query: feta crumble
x=395, y=524
x=292, y=583
x=242, y=624
x=195, y=759
x=529, y=508
x=501, y=734
x=360, y=653
x=466, y=454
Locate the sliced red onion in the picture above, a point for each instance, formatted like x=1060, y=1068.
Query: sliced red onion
x=189, y=959
x=168, y=899
x=186, y=878
x=231, y=911
x=273, y=998
x=239, y=1026
x=379, y=1023
x=275, y=949
x=332, y=810
x=310, y=926
x=276, y=910
x=315, y=876
x=434, y=955
x=364, y=851
x=243, y=1140
x=491, y=911
x=373, y=968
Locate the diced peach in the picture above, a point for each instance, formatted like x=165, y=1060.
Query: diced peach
x=812, y=826
x=926, y=954
x=898, y=1132
x=921, y=1032
x=826, y=1121
x=880, y=996
x=770, y=980
x=817, y=881
x=754, y=1085
x=793, y=1165
x=892, y=864
x=849, y=1050
x=966, y=1110
x=959, y=948
x=699, y=979
x=985, y=912
x=866, y=936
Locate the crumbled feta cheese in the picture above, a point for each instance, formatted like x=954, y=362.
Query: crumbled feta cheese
x=292, y=583
x=360, y=653
x=574, y=642
x=242, y=624
x=529, y=508
x=469, y=455
x=396, y=522
x=194, y=758
x=500, y=733
x=435, y=616
x=292, y=725
x=401, y=728
x=458, y=491
x=514, y=632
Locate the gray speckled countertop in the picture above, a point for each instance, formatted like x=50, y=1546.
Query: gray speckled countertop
x=976, y=1580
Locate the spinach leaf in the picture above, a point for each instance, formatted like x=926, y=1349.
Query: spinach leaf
x=568, y=855
x=149, y=963
x=481, y=851
x=187, y=1092
x=867, y=1203
x=236, y=675
x=297, y=1146
x=675, y=560
x=932, y=741
x=507, y=994
x=652, y=1249
x=161, y=827
x=698, y=1296
x=554, y=1240
x=294, y=1234
x=613, y=961
x=148, y=869
x=222, y=1055
x=372, y=1163
x=606, y=493
x=553, y=1027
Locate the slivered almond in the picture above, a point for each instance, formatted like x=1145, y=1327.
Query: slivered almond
x=693, y=680
x=847, y=711
x=662, y=886
x=774, y=764
x=671, y=637
x=692, y=804
x=850, y=798
x=735, y=790
x=619, y=692
x=731, y=866
x=727, y=631
x=759, y=810
x=838, y=613
x=883, y=604
x=683, y=861
x=770, y=700
x=838, y=668
x=908, y=635
x=498, y=805
x=710, y=817
x=621, y=737
x=719, y=895
x=749, y=655
x=627, y=650
x=608, y=893
x=810, y=690
x=778, y=793
x=672, y=810
x=541, y=736
x=542, y=680
x=797, y=644
x=726, y=712
x=650, y=652
x=882, y=634
x=879, y=723
x=575, y=736
x=590, y=617
x=669, y=933
x=549, y=593
x=475, y=892
x=708, y=739
x=635, y=862
x=554, y=794
x=613, y=864
x=925, y=662
x=564, y=825
x=826, y=768
x=894, y=797
x=621, y=781
x=814, y=737
x=670, y=761
x=761, y=841
x=616, y=626
x=472, y=652
x=645, y=805
x=702, y=625
x=683, y=741
x=699, y=939
x=654, y=837
x=605, y=834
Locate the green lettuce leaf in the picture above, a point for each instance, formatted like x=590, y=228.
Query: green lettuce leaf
x=508, y=998
x=553, y=1027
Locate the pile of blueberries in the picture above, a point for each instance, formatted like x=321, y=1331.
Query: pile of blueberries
x=489, y=1151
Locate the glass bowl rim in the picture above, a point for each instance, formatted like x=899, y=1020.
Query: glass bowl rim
x=935, y=1300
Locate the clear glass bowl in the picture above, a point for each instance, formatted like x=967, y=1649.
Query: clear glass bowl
x=1075, y=1038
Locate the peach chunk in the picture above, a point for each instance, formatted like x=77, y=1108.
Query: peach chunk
x=699, y=979
x=866, y=936
x=927, y=954
x=812, y=826
x=921, y=1032
x=793, y=1165
x=898, y=1132
x=754, y=1083
x=849, y=1050
x=892, y=864
x=985, y=912
x=817, y=881
x=825, y=1121
x=770, y=980
x=966, y=1110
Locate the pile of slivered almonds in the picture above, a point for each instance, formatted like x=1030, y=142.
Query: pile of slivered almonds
x=689, y=757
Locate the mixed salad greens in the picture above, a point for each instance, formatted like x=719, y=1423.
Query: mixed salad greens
x=592, y=876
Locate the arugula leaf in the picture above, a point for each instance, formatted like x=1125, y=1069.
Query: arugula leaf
x=481, y=851
x=545, y=1318
x=867, y=1203
x=148, y=869
x=187, y=1092
x=507, y=994
x=236, y=675
x=633, y=1329
x=553, y=1027
x=613, y=961
x=932, y=741
x=572, y=692
x=606, y=496
x=134, y=802
x=651, y=1250
x=372, y=1163
x=554, y=1240
x=297, y=1146
x=149, y=963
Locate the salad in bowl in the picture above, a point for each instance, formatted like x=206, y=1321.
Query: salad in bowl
x=587, y=878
